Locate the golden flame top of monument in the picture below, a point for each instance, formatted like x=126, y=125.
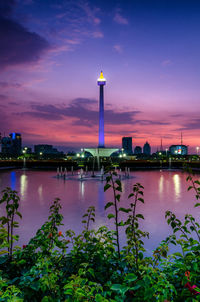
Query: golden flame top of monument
x=101, y=79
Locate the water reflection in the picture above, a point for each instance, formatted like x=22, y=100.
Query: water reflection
x=177, y=187
x=40, y=193
x=161, y=185
x=23, y=185
x=101, y=198
x=81, y=189
x=13, y=180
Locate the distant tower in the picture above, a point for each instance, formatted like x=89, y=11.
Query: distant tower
x=161, y=146
x=101, y=82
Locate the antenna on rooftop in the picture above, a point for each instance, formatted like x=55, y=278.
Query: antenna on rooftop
x=161, y=146
x=181, y=139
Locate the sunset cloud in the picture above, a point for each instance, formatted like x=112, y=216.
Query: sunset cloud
x=82, y=112
x=118, y=48
x=118, y=18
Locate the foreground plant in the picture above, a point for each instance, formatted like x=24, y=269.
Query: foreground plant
x=116, y=186
x=11, y=201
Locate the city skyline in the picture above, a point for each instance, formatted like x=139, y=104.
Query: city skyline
x=53, y=52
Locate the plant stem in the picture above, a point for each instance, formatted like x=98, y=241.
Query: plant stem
x=116, y=215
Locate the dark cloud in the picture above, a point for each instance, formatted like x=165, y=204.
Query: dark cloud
x=177, y=115
x=18, y=44
x=191, y=125
x=147, y=122
x=3, y=97
x=83, y=110
x=122, y=132
x=13, y=103
x=41, y=115
x=6, y=85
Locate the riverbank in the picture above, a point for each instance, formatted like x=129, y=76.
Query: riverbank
x=88, y=164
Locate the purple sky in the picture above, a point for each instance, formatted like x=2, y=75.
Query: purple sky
x=52, y=52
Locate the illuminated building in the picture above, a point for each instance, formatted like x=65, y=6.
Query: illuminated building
x=127, y=145
x=16, y=142
x=12, y=144
x=178, y=150
x=101, y=82
x=147, y=149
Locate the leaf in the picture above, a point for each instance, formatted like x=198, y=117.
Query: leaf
x=19, y=214
x=91, y=271
x=118, y=197
x=118, y=188
x=141, y=199
x=178, y=254
x=140, y=255
x=140, y=216
x=124, y=210
x=106, y=187
x=197, y=205
x=131, y=277
x=110, y=216
x=189, y=188
x=109, y=204
x=130, y=195
x=118, y=182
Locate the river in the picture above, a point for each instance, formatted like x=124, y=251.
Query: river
x=163, y=190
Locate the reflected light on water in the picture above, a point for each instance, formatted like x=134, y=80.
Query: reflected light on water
x=161, y=185
x=23, y=185
x=81, y=189
x=40, y=193
x=13, y=180
x=177, y=187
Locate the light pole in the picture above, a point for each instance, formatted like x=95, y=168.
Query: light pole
x=197, y=148
x=24, y=158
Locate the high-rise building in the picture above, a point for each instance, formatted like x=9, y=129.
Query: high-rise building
x=127, y=145
x=12, y=145
x=101, y=82
x=147, y=149
x=6, y=146
x=178, y=150
x=138, y=150
x=16, y=141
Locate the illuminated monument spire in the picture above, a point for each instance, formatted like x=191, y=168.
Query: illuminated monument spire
x=101, y=151
x=101, y=82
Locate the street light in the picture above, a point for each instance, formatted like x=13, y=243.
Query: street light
x=24, y=159
x=197, y=148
